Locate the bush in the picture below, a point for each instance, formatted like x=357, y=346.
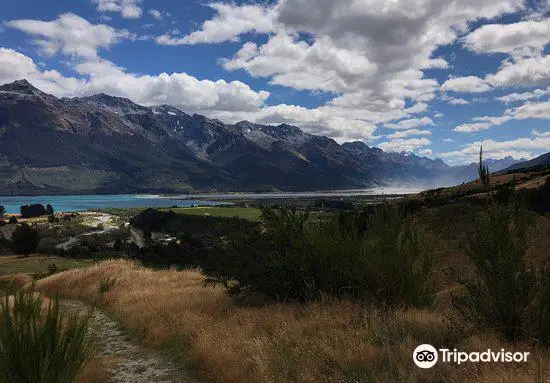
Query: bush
x=29, y=211
x=25, y=239
x=508, y=296
x=12, y=220
x=38, y=342
x=380, y=257
x=52, y=218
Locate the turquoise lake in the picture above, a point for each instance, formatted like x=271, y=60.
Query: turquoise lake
x=76, y=203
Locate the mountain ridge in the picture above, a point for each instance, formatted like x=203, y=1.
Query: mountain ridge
x=108, y=144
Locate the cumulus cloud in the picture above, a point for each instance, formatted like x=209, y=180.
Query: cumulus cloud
x=515, y=97
x=458, y=101
x=522, y=38
x=524, y=72
x=230, y=22
x=16, y=66
x=71, y=35
x=536, y=133
x=408, y=133
x=410, y=123
x=533, y=71
x=370, y=55
x=530, y=110
x=519, y=148
x=404, y=145
x=128, y=9
x=155, y=13
x=178, y=89
x=471, y=84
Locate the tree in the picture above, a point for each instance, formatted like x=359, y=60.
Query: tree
x=29, y=211
x=25, y=239
x=2, y=211
x=49, y=209
x=12, y=220
x=483, y=171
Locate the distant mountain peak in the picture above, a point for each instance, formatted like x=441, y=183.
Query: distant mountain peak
x=21, y=86
x=109, y=100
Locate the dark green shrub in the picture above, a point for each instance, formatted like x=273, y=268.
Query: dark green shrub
x=538, y=320
x=12, y=220
x=25, y=239
x=509, y=295
x=35, y=210
x=52, y=218
x=483, y=171
x=380, y=257
x=40, y=345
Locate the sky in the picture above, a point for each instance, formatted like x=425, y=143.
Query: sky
x=435, y=77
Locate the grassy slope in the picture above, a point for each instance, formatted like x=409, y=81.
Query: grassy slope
x=322, y=341
x=249, y=213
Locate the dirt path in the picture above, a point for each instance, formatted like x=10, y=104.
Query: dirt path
x=136, y=363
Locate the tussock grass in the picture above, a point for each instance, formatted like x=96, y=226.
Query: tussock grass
x=326, y=340
x=38, y=342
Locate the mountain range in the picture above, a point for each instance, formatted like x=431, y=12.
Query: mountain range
x=538, y=161
x=106, y=144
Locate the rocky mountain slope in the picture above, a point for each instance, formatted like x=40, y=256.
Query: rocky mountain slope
x=538, y=161
x=105, y=144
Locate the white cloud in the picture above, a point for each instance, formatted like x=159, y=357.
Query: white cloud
x=410, y=123
x=228, y=101
x=408, y=133
x=128, y=9
x=16, y=66
x=458, y=101
x=351, y=49
x=404, y=145
x=448, y=140
x=230, y=22
x=514, y=97
x=425, y=152
x=519, y=148
x=530, y=110
x=71, y=35
x=471, y=84
x=533, y=71
x=536, y=133
x=523, y=72
x=155, y=13
x=522, y=38
x=178, y=89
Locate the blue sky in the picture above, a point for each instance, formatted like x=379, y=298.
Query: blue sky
x=435, y=77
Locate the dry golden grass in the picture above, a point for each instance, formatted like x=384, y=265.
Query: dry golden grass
x=98, y=370
x=14, y=281
x=326, y=341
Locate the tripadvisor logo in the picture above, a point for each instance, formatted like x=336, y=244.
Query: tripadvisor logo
x=426, y=356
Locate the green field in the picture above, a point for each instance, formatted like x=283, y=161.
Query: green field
x=31, y=265
x=250, y=213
